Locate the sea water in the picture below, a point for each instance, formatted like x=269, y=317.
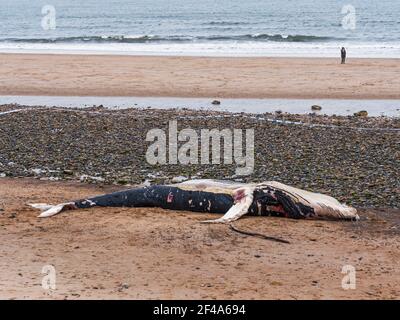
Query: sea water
x=207, y=27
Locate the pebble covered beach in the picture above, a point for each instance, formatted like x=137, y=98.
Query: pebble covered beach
x=355, y=159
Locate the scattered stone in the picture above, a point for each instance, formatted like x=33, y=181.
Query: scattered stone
x=216, y=102
x=111, y=147
x=316, y=107
x=146, y=183
x=361, y=113
x=123, y=286
x=179, y=179
x=88, y=178
x=38, y=171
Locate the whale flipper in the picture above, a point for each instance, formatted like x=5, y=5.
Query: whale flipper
x=243, y=200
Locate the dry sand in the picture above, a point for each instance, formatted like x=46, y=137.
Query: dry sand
x=153, y=253
x=97, y=75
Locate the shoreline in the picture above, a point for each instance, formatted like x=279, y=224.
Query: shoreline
x=312, y=118
x=372, y=50
x=329, y=107
x=178, y=55
x=183, y=76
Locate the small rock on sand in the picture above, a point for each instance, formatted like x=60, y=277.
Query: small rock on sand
x=216, y=102
x=361, y=113
x=316, y=107
x=179, y=179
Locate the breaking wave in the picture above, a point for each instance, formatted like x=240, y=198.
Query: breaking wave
x=175, y=38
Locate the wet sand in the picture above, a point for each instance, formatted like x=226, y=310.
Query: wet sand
x=140, y=253
x=97, y=75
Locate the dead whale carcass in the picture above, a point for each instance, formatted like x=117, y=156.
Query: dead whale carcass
x=224, y=197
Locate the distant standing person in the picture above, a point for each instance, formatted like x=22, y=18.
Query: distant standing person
x=343, y=55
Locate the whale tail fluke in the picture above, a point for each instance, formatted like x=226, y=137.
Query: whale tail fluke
x=49, y=210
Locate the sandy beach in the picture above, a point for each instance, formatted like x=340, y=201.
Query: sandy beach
x=145, y=253
x=115, y=116
x=110, y=75
x=55, y=155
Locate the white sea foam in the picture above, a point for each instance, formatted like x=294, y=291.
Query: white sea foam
x=225, y=48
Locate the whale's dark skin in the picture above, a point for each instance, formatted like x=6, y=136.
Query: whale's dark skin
x=174, y=198
x=165, y=197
